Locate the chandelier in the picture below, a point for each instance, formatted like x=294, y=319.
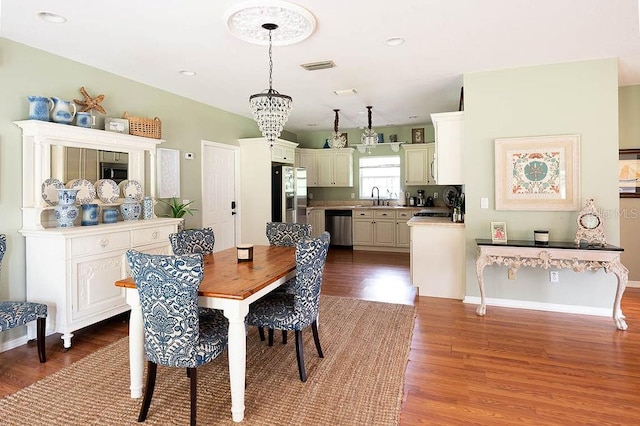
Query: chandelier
x=337, y=139
x=270, y=109
x=369, y=137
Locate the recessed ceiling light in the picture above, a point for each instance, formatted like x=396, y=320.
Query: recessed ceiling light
x=188, y=73
x=394, y=41
x=52, y=17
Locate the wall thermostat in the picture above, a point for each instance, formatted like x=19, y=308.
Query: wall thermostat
x=188, y=155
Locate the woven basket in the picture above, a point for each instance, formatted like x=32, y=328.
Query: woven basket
x=147, y=127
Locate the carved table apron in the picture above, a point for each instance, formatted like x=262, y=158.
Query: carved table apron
x=562, y=255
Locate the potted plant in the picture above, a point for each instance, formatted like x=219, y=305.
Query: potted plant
x=178, y=209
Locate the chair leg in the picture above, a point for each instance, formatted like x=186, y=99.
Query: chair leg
x=194, y=394
x=261, y=333
x=40, y=330
x=270, y=337
x=300, y=356
x=284, y=337
x=316, y=338
x=148, y=391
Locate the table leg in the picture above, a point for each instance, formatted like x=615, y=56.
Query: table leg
x=136, y=344
x=622, y=273
x=237, y=359
x=481, y=262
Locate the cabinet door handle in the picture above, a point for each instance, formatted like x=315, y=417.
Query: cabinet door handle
x=154, y=235
x=103, y=242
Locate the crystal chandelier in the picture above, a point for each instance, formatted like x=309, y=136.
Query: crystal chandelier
x=369, y=137
x=270, y=109
x=337, y=139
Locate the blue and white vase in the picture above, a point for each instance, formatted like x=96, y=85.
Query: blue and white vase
x=66, y=211
x=130, y=209
x=109, y=216
x=89, y=214
x=147, y=208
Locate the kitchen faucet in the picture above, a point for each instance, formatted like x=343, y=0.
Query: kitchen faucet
x=375, y=187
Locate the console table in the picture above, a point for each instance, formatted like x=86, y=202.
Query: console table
x=557, y=254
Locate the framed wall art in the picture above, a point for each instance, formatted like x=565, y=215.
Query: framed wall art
x=629, y=173
x=417, y=135
x=498, y=232
x=538, y=173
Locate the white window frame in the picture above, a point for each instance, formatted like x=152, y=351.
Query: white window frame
x=392, y=171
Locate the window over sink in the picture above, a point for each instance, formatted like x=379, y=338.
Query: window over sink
x=382, y=172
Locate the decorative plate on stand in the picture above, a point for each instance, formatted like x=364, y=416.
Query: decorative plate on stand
x=449, y=195
x=133, y=189
x=50, y=191
x=86, y=193
x=108, y=191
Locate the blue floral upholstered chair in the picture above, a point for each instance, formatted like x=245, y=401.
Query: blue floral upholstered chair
x=297, y=311
x=174, y=334
x=285, y=234
x=193, y=241
x=15, y=314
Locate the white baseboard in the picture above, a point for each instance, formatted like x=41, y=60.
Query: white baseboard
x=540, y=306
x=14, y=343
x=635, y=284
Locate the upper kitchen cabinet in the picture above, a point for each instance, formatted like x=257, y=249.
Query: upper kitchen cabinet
x=307, y=158
x=114, y=157
x=449, y=132
x=419, y=164
x=283, y=152
x=335, y=167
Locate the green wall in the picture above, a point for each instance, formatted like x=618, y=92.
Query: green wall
x=568, y=98
x=26, y=71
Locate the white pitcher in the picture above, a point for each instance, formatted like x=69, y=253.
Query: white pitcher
x=61, y=112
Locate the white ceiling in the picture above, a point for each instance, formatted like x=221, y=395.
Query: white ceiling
x=151, y=40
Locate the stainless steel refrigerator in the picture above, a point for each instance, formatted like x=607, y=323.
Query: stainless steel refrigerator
x=301, y=195
x=283, y=201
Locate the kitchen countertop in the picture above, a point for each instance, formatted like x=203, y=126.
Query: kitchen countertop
x=362, y=207
x=431, y=221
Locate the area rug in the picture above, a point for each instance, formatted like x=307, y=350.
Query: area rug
x=358, y=382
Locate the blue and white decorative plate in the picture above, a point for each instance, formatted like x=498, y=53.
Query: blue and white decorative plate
x=50, y=191
x=133, y=189
x=86, y=190
x=108, y=191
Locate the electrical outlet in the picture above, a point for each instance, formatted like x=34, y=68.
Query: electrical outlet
x=186, y=201
x=435, y=195
x=484, y=203
x=554, y=276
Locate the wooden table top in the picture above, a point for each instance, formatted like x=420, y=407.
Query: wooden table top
x=227, y=278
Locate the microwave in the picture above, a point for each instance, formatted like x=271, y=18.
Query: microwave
x=113, y=171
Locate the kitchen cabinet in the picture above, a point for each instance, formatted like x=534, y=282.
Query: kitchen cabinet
x=315, y=217
x=255, y=169
x=114, y=157
x=283, y=152
x=362, y=228
x=307, y=158
x=384, y=228
x=449, y=134
x=402, y=229
x=381, y=229
x=419, y=164
x=80, y=163
x=335, y=167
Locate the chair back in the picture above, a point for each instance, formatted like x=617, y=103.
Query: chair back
x=311, y=255
x=192, y=241
x=287, y=234
x=3, y=247
x=168, y=290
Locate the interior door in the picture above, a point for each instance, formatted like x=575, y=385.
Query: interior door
x=219, y=192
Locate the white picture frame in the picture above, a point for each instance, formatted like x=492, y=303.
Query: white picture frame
x=168, y=172
x=499, y=232
x=538, y=173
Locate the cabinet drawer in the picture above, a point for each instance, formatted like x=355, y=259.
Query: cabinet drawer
x=384, y=214
x=362, y=214
x=140, y=237
x=404, y=214
x=94, y=244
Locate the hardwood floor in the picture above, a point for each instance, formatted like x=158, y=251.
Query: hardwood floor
x=510, y=367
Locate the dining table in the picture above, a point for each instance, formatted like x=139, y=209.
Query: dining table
x=230, y=285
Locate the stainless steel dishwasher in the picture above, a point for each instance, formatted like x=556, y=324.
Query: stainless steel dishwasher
x=338, y=224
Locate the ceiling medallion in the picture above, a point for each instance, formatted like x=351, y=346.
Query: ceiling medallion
x=245, y=21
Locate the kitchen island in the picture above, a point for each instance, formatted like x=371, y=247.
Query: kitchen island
x=437, y=257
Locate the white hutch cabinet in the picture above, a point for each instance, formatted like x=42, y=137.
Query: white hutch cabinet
x=73, y=270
